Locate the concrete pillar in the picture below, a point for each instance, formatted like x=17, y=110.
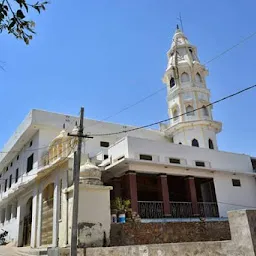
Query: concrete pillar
x=20, y=216
x=131, y=182
x=94, y=219
x=56, y=203
x=34, y=217
x=163, y=192
x=117, y=187
x=191, y=194
x=39, y=217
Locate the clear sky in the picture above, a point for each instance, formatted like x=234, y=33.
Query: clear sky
x=105, y=55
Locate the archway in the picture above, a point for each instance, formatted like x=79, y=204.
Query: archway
x=27, y=223
x=47, y=215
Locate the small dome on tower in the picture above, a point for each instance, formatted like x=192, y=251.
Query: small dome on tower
x=63, y=134
x=90, y=173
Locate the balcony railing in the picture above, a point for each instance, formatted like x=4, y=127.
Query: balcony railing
x=150, y=209
x=155, y=209
x=181, y=209
x=208, y=209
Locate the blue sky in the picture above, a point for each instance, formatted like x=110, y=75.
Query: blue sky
x=105, y=55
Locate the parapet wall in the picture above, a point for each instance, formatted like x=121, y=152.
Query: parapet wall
x=243, y=233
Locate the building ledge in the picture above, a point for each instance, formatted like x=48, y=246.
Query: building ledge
x=120, y=167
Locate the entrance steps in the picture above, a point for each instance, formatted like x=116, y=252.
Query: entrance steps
x=27, y=251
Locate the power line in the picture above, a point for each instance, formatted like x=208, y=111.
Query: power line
x=188, y=112
x=162, y=88
x=132, y=105
x=231, y=48
x=27, y=150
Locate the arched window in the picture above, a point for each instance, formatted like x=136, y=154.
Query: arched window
x=175, y=114
x=195, y=143
x=180, y=143
x=205, y=111
x=172, y=82
x=184, y=77
x=189, y=111
x=210, y=144
x=198, y=78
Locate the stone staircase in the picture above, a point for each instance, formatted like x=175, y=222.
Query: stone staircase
x=27, y=251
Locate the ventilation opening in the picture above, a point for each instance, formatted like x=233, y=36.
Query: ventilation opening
x=236, y=183
x=199, y=163
x=174, y=160
x=146, y=157
x=104, y=144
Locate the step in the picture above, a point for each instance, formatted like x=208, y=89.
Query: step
x=26, y=251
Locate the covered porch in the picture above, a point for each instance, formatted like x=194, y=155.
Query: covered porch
x=167, y=196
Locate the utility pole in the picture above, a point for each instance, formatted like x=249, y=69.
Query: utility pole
x=77, y=161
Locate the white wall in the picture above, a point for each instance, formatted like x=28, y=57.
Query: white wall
x=232, y=198
x=198, y=132
x=53, y=121
x=218, y=159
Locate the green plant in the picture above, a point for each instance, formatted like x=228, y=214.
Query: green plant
x=14, y=17
x=121, y=205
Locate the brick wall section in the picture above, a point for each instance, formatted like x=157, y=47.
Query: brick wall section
x=168, y=232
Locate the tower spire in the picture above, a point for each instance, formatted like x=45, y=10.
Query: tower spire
x=187, y=91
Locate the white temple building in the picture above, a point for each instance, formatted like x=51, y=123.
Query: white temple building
x=174, y=172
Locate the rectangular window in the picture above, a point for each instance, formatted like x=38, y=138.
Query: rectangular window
x=7, y=169
x=60, y=214
x=11, y=164
x=104, y=144
x=31, y=143
x=174, y=161
x=236, y=183
x=18, y=157
x=201, y=164
x=5, y=185
x=17, y=175
x=146, y=157
x=105, y=157
x=10, y=181
x=30, y=162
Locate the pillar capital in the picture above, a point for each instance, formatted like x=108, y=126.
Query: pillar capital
x=162, y=175
x=130, y=173
x=189, y=178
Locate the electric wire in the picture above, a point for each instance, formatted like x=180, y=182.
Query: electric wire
x=164, y=87
x=177, y=116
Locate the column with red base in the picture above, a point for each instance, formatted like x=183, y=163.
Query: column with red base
x=163, y=192
x=191, y=194
x=131, y=184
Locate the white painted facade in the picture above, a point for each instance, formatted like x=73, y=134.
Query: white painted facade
x=40, y=128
